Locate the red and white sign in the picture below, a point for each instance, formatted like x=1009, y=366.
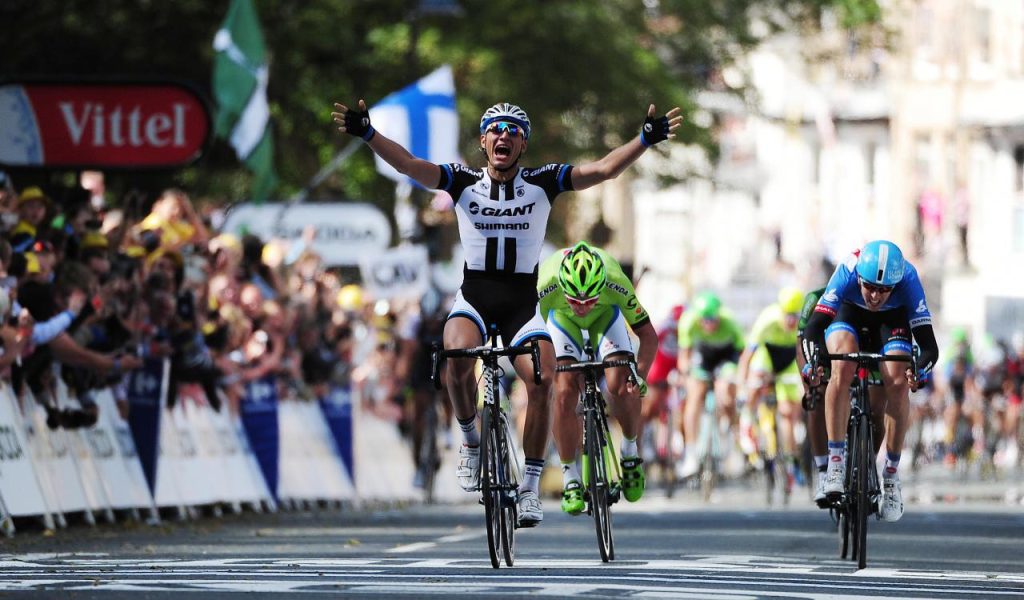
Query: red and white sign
x=126, y=125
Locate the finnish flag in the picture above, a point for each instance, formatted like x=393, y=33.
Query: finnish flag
x=422, y=119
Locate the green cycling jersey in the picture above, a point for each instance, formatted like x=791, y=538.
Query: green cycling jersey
x=770, y=329
x=618, y=292
x=810, y=301
x=727, y=333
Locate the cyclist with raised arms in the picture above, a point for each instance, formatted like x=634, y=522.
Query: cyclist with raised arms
x=584, y=290
x=873, y=302
x=710, y=342
x=770, y=356
x=503, y=212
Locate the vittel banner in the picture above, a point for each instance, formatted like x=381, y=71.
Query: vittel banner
x=101, y=125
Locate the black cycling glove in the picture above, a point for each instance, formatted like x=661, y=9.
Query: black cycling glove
x=357, y=123
x=655, y=130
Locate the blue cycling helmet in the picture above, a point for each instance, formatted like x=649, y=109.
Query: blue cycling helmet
x=880, y=263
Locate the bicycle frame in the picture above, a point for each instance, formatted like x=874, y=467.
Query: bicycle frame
x=862, y=489
x=499, y=468
x=601, y=468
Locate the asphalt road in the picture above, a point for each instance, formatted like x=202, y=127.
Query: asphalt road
x=679, y=548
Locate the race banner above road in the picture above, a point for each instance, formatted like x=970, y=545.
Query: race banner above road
x=345, y=231
x=101, y=125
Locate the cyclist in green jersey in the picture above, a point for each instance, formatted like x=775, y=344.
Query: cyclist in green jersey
x=710, y=341
x=816, y=417
x=584, y=293
x=770, y=357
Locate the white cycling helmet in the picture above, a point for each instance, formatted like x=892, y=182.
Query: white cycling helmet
x=503, y=111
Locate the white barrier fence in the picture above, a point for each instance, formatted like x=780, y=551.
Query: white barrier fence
x=203, y=458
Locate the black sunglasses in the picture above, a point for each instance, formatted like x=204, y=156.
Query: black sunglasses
x=880, y=289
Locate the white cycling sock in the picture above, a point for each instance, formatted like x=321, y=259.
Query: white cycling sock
x=837, y=453
x=531, y=475
x=628, y=448
x=470, y=435
x=570, y=472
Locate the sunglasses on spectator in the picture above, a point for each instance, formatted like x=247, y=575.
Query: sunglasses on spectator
x=501, y=127
x=878, y=289
x=581, y=303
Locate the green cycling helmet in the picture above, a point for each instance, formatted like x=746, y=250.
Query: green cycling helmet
x=582, y=274
x=708, y=306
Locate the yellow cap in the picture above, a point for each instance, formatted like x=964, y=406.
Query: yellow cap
x=134, y=251
x=95, y=239
x=33, y=193
x=31, y=263
x=350, y=297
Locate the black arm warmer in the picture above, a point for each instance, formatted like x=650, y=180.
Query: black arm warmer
x=814, y=332
x=925, y=337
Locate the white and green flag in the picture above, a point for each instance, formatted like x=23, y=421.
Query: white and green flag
x=240, y=89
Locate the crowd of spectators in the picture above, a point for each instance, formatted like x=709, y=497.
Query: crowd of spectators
x=94, y=289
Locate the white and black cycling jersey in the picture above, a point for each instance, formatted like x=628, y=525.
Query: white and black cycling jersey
x=502, y=224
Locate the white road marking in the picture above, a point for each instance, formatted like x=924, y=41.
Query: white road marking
x=700, y=576
x=459, y=537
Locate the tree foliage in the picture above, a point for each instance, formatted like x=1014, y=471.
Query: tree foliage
x=585, y=71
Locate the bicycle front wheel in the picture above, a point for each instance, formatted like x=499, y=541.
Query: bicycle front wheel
x=506, y=483
x=597, y=485
x=864, y=461
x=491, y=490
x=843, y=529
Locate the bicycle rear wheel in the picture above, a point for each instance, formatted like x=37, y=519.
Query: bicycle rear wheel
x=850, y=496
x=489, y=487
x=864, y=461
x=598, y=487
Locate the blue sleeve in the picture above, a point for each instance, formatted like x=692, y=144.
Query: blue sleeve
x=912, y=297
x=835, y=290
x=43, y=333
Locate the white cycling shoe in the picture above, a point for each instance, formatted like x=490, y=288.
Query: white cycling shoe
x=835, y=478
x=530, y=511
x=890, y=505
x=689, y=466
x=819, y=488
x=468, y=469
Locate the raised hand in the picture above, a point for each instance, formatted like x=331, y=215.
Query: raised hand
x=354, y=122
x=659, y=129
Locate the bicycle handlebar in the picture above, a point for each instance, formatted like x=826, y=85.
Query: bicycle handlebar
x=871, y=357
x=438, y=353
x=587, y=365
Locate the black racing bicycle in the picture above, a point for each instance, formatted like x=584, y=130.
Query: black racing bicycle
x=862, y=486
x=499, y=463
x=602, y=475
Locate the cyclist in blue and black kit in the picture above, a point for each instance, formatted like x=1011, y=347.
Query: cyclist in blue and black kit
x=503, y=213
x=874, y=302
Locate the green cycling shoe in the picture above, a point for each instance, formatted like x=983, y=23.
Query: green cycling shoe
x=633, y=480
x=572, y=498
